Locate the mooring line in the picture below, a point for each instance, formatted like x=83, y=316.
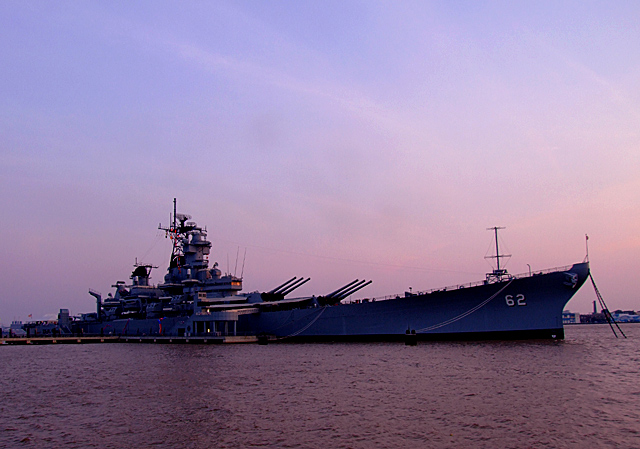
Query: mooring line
x=465, y=314
x=605, y=309
x=299, y=331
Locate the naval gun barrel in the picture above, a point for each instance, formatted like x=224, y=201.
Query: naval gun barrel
x=352, y=290
x=332, y=294
x=347, y=292
x=294, y=286
x=275, y=290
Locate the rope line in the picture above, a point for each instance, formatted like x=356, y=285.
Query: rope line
x=284, y=321
x=299, y=331
x=465, y=314
x=605, y=309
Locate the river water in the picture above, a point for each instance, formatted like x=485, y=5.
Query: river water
x=580, y=392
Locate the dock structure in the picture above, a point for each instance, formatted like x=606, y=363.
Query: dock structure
x=129, y=339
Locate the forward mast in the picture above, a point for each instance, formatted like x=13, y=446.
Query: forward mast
x=498, y=274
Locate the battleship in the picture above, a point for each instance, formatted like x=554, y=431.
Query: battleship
x=198, y=300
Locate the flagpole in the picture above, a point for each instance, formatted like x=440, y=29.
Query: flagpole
x=586, y=242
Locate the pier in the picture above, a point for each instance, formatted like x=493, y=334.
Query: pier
x=129, y=339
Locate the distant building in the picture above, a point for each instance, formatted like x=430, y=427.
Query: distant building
x=626, y=316
x=569, y=317
x=619, y=316
x=16, y=330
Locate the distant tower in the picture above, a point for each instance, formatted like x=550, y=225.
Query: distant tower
x=594, y=307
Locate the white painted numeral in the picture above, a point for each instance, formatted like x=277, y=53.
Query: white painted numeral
x=519, y=300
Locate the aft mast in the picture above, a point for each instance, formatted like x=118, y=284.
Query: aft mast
x=498, y=273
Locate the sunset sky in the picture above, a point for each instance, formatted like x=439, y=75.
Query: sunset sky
x=335, y=140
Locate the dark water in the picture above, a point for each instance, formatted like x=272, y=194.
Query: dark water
x=582, y=392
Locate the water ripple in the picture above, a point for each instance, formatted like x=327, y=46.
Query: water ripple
x=571, y=394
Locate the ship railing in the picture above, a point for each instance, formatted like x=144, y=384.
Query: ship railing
x=466, y=285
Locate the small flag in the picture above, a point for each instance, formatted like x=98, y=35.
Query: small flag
x=30, y=316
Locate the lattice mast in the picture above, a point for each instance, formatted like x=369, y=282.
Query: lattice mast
x=498, y=273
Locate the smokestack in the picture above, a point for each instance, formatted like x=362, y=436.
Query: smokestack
x=98, y=297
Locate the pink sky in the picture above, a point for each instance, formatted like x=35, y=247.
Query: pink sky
x=334, y=140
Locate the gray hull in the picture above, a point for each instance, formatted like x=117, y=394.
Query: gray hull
x=529, y=307
x=517, y=308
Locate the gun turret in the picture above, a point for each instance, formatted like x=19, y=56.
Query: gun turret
x=338, y=295
x=278, y=293
x=334, y=293
x=294, y=286
x=352, y=290
x=282, y=286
